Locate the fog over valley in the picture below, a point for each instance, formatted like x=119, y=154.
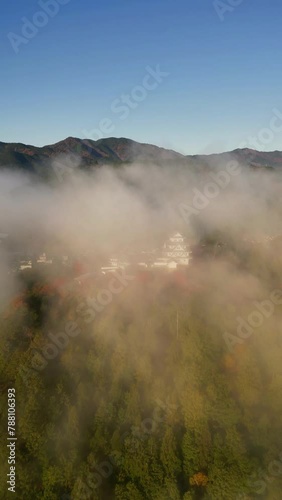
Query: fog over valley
x=141, y=313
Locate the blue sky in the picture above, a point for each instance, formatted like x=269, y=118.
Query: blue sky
x=224, y=75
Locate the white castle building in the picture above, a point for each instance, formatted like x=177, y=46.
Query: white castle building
x=175, y=253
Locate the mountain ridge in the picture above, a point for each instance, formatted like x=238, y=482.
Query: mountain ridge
x=120, y=151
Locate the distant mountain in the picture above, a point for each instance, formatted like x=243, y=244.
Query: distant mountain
x=250, y=157
x=116, y=151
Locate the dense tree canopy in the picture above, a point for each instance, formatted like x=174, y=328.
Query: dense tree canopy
x=145, y=400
